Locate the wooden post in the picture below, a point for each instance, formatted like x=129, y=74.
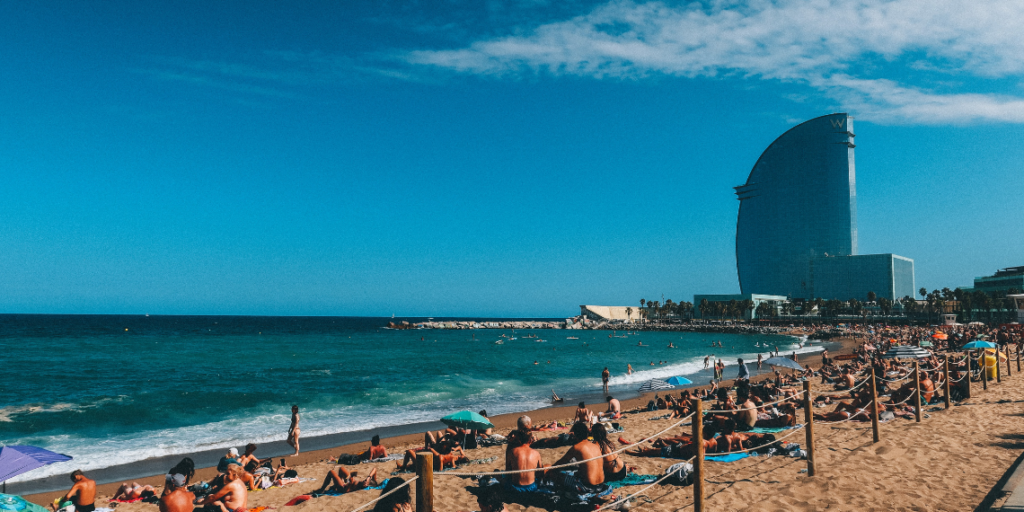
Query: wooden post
x=425, y=482
x=698, y=460
x=809, y=428
x=917, y=387
x=1009, y=372
x=984, y=369
x=968, y=377
x=874, y=404
x=999, y=377
x=945, y=382
x=1018, y=359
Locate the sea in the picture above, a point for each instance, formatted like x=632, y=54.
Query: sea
x=111, y=390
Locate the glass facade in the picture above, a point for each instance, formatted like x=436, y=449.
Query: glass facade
x=796, y=234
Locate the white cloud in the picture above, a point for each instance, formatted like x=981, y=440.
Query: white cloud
x=821, y=43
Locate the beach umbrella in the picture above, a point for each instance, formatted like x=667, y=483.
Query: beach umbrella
x=654, y=385
x=906, y=352
x=940, y=336
x=11, y=503
x=783, y=362
x=467, y=420
x=975, y=345
x=679, y=381
x=926, y=343
x=18, y=459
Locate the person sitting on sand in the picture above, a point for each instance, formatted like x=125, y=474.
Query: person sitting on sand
x=133, y=491
x=250, y=462
x=342, y=480
x=186, y=468
x=614, y=468
x=82, y=493
x=588, y=477
x=376, y=451
x=232, y=496
x=490, y=500
x=614, y=409
x=521, y=457
x=176, y=497
x=230, y=458
x=394, y=497
x=583, y=414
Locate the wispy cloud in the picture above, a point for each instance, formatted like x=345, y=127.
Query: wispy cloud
x=824, y=44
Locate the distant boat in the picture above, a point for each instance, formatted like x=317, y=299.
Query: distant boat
x=572, y=338
x=499, y=342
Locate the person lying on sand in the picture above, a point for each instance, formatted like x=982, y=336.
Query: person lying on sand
x=233, y=496
x=447, y=459
x=851, y=409
x=133, y=491
x=341, y=480
x=522, y=456
x=786, y=417
x=681, y=450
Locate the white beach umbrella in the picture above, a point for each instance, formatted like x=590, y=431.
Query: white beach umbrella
x=654, y=385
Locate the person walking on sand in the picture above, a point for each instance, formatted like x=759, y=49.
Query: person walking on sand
x=82, y=493
x=759, y=361
x=293, y=431
x=605, y=377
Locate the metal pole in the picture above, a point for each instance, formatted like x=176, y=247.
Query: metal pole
x=945, y=382
x=874, y=404
x=809, y=417
x=698, y=461
x=425, y=482
x=917, y=386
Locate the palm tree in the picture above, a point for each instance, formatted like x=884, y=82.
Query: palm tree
x=641, y=312
x=629, y=314
x=872, y=296
x=923, y=292
x=705, y=309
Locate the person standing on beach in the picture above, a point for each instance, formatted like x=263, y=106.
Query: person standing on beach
x=82, y=493
x=293, y=431
x=706, y=362
x=743, y=374
x=759, y=361
x=629, y=369
x=605, y=377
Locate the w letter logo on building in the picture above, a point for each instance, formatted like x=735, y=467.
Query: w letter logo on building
x=837, y=123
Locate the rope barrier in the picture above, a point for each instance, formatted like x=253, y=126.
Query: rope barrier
x=568, y=464
x=798, y=393
x=389, y=493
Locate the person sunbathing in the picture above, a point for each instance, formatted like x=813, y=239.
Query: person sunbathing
x=341, y=480
x=786, y=417
x=681, y=450
x=728, y=439
x=522, y=456
x=583, y=414
x=133, y=491
x=615, y=469
x=376, y=451
x=442, y=459
x=250, y=462
x=857, y=409
x=588, y=477
x=232, y=496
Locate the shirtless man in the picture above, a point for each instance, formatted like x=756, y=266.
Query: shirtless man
x=293, y=430
x=746, y=415
x=590, y=475
x=233, y=496
x=846, y=380
x=605, y=377
x=614, y=409
x=583, y=414
x=376, y=451
x=82, y=493
x=521, y=456
x=178, y=499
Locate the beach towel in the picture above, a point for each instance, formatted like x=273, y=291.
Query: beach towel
x=633, y=479
x=298, y=499
x=336, y=492
x=134, y=500
x=389, y=458
x=729, y=457
x=772, y=430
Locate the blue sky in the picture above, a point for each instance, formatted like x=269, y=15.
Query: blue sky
x=477, y=158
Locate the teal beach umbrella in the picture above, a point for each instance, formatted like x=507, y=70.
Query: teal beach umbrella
x=11, y=503
x=467, y=420
x=679, y=381
x=975, y=345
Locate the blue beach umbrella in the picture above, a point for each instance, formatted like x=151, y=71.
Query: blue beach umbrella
x=678, y=381
x=18, y=459
x=977, y=344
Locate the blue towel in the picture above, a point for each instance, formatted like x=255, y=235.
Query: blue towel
x=633, y=479
x=730, y=457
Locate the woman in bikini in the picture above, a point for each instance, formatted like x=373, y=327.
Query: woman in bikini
x=614, y=468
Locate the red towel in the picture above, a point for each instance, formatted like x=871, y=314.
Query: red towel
x=298, y=499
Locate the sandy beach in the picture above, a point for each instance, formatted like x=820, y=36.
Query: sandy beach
x=949, y=461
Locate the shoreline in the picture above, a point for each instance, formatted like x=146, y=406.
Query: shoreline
x=151, y=471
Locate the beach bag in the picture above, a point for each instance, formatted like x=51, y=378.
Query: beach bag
x=682, y=473
x=265, y=482
x=348, y=459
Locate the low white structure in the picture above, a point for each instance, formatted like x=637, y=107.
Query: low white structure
x=1018, y=299
x=620, y=313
